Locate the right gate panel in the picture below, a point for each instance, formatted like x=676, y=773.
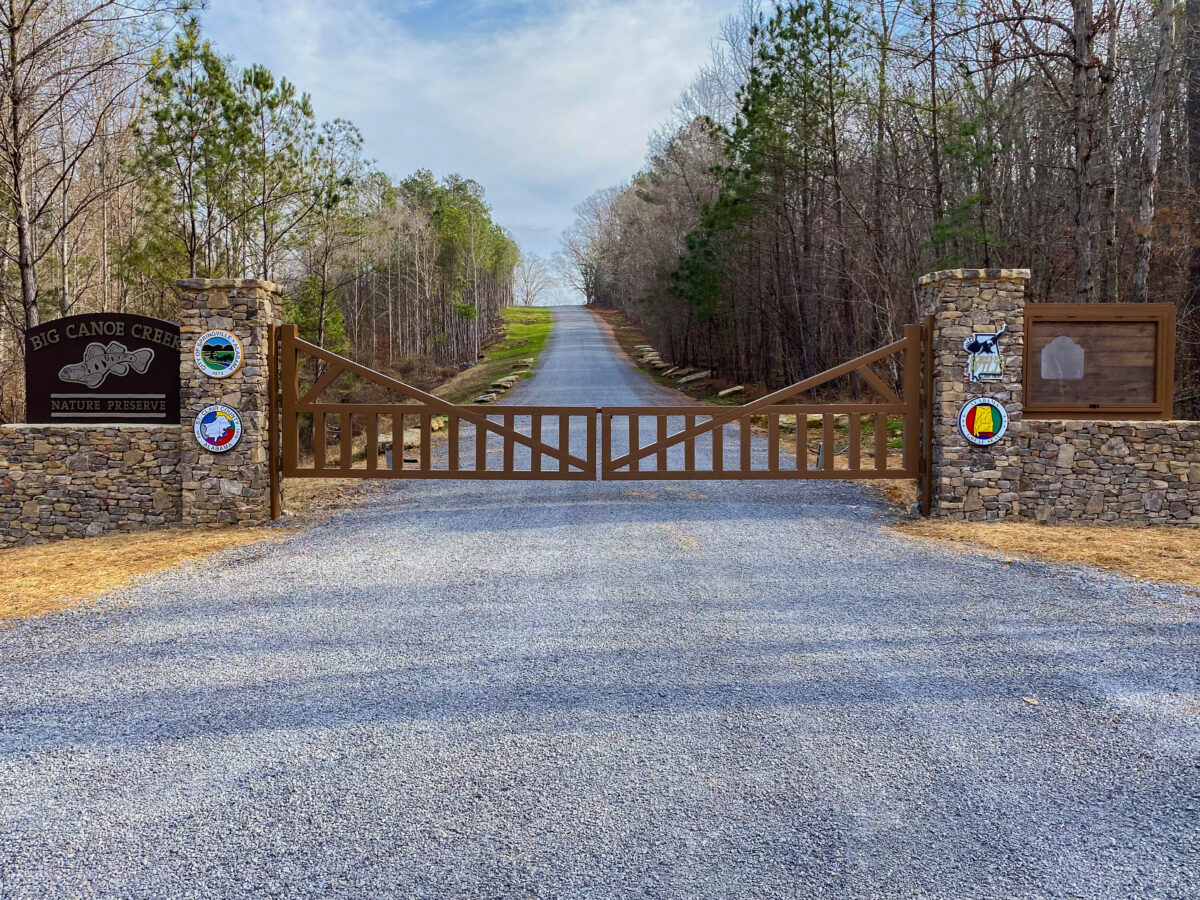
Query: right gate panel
x=772, y=438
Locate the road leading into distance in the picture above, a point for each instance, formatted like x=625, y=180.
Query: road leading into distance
x=606, y=690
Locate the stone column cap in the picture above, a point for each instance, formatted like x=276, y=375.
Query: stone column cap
x=226, y=284
x=975, y=275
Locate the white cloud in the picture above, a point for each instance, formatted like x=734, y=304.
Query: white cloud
x=541, y=111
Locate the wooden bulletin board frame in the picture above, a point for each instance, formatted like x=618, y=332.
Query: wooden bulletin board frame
x=1162, y=315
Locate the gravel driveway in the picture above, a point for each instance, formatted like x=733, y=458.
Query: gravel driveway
x=606, y=690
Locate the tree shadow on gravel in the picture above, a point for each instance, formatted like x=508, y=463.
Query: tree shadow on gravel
x=395, y=671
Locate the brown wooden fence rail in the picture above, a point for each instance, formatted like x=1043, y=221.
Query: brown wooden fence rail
x=511, y=442
x=652, y=459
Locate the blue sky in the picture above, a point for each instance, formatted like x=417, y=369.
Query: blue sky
x=542, y=102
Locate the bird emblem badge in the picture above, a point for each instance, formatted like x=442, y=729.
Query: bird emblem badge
x=984, y=362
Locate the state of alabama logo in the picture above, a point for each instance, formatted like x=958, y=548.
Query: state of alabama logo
x=218, y=353
x=218, y=428
x=983, y=421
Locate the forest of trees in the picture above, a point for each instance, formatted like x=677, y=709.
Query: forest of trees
x=133, y=154
x=834, y=150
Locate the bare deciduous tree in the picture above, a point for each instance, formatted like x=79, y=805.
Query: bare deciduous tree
x=531, y=279
x=1152, y=145
x=65, y=67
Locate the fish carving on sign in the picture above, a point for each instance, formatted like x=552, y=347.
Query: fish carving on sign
x=99, y=362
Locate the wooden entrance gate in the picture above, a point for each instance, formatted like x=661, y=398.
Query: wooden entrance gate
x=885, y=437
x=510, y=442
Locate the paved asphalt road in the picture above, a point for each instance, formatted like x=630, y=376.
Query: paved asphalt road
x=603, y=690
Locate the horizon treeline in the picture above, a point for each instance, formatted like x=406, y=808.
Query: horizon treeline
x=834, y=150
x=133, y=154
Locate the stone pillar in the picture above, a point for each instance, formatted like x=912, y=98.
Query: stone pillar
x=973, y=483
x=230, y=488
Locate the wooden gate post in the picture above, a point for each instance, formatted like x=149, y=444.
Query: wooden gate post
x=232, y=487
x=971, y=482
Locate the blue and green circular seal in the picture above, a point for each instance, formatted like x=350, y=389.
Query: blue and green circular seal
x=218, y=353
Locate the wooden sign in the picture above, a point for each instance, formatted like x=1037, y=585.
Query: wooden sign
x=102, y=368
x=1099, y=360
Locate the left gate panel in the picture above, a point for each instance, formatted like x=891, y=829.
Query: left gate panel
x=402, y=438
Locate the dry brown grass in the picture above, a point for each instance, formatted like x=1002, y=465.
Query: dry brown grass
x=625, y=333
x=51, y=577
x=901, y=492
x=311, y=499
x=1158, y=554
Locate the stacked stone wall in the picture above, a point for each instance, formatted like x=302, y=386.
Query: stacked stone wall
x=59, y=481
x=77, y=480
x=1126, y=472
x=232, y=488
x=970, y=482
x=1116, y=472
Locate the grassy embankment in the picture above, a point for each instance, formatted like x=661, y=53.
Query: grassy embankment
x=52, y=577
x=1160, y=554
x=526, y=329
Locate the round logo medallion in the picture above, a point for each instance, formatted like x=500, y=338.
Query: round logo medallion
x=218, y=428
x=983, y=421
x=218, y=353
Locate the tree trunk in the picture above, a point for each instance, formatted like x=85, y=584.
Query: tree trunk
x=935, y=148
x=321, y=309
x=64, y=247
x=104, y=267
x=1083, y=64
x=1108, y=85
x=839, y=201
x=1152, y=146
x=1192, y=113
x=29, y=291
x=17, y=174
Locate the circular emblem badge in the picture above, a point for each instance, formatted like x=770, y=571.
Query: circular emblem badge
x=218, y=428
x=218, y=353
x=983, y=421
